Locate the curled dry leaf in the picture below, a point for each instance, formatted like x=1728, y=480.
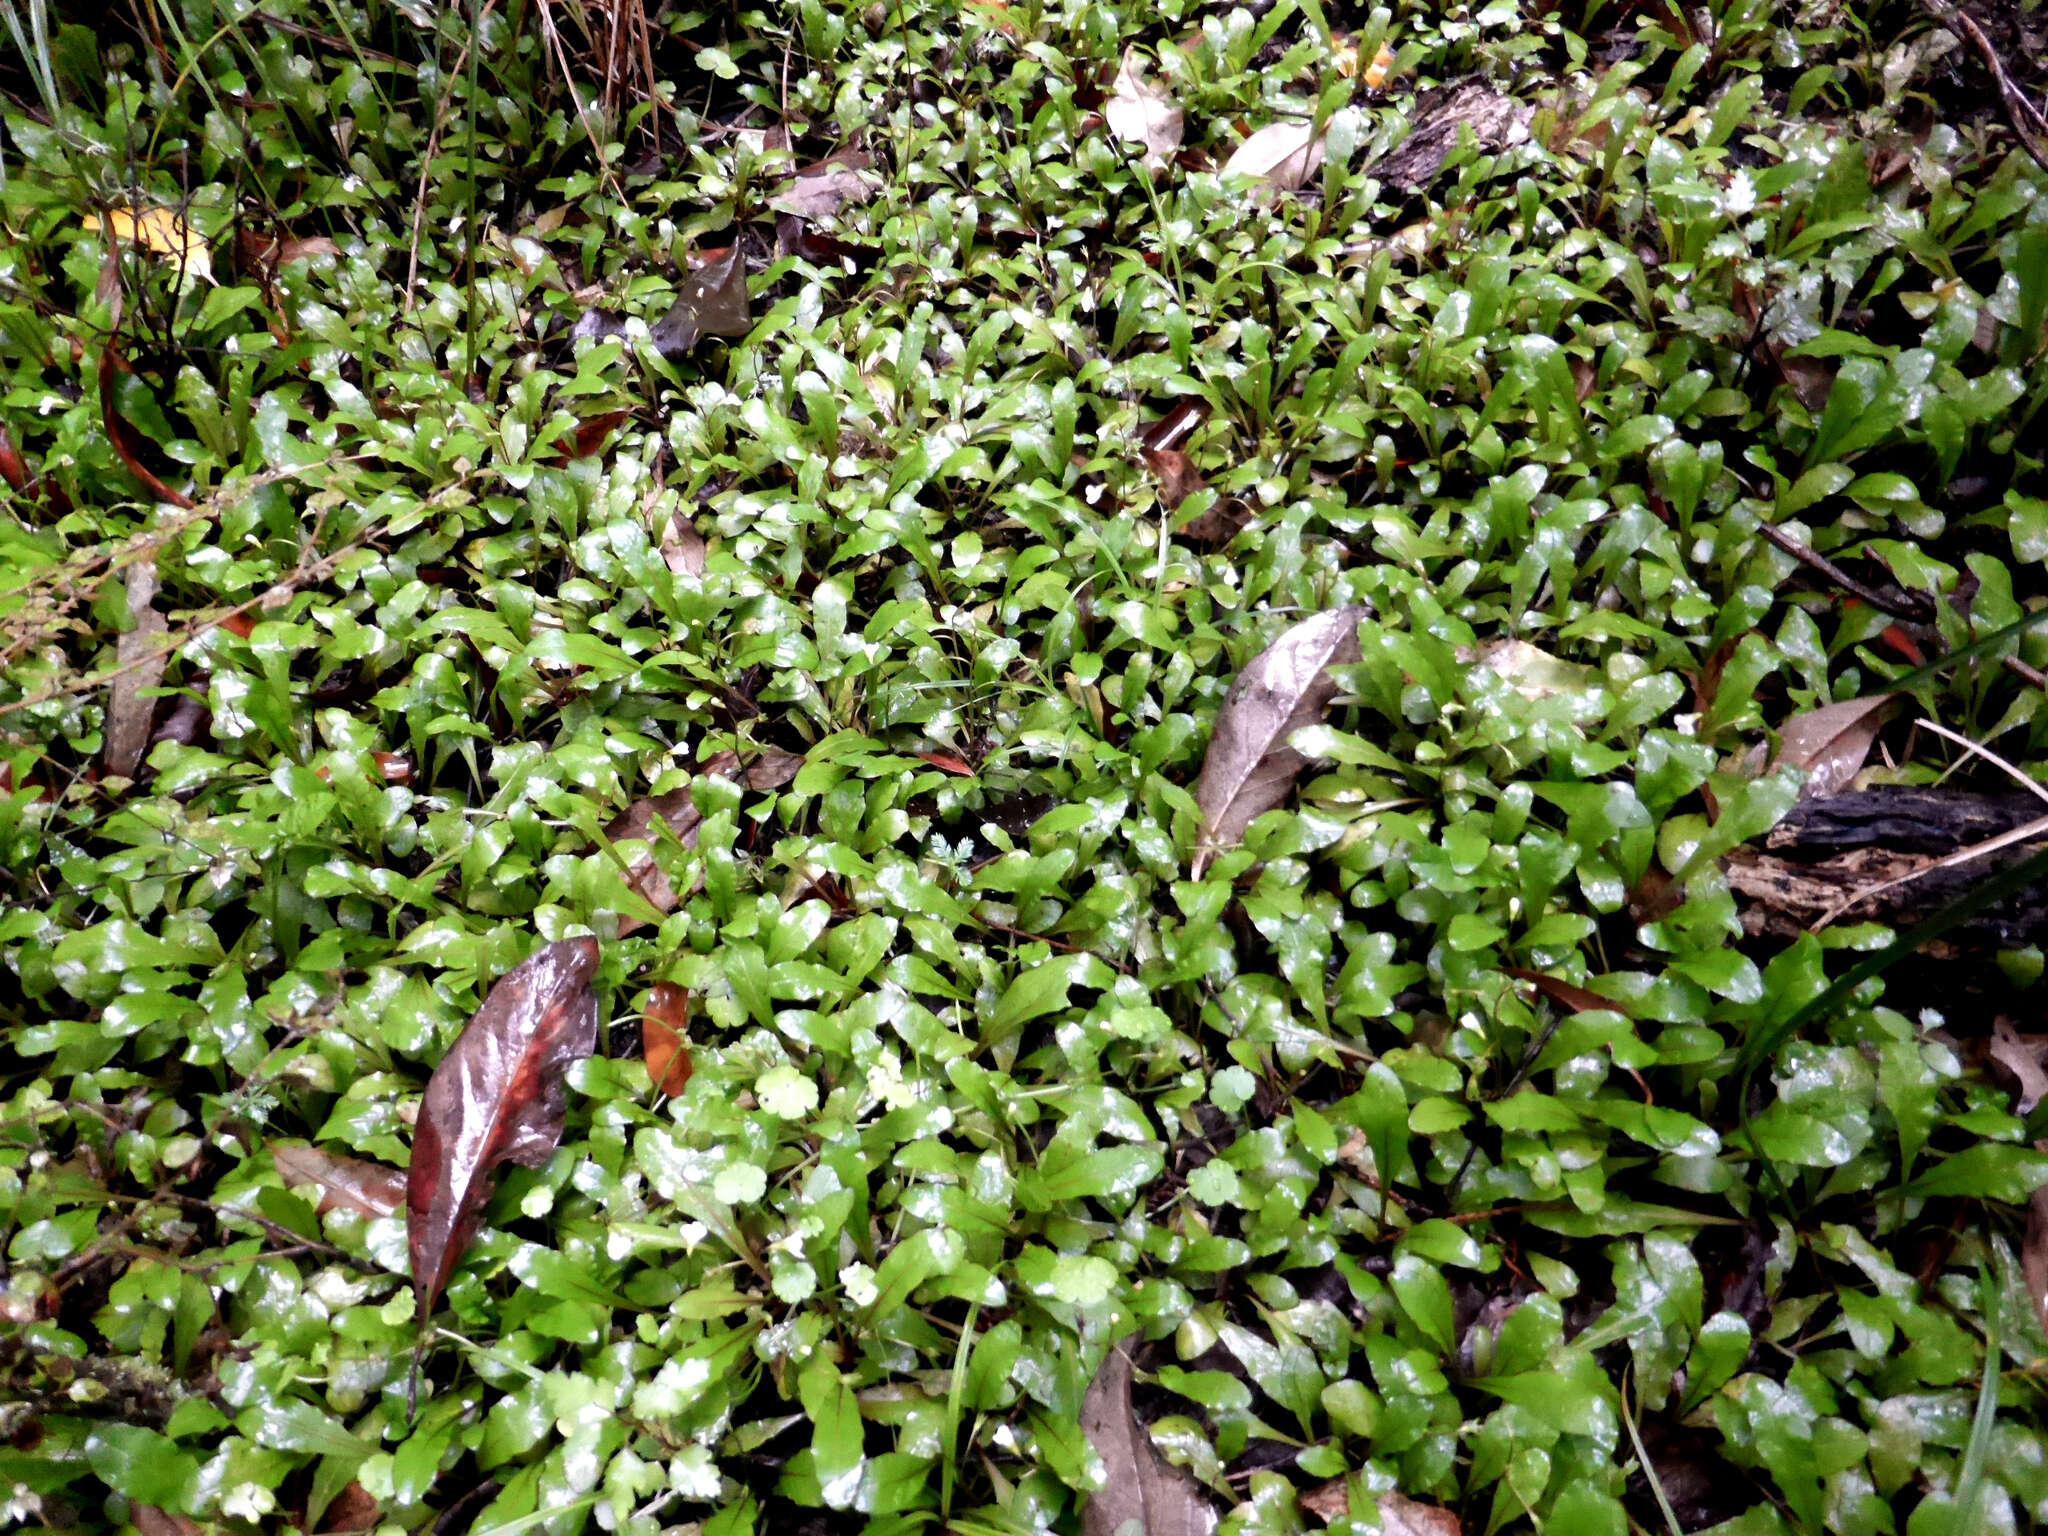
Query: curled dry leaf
x=949, y=763
x=160, y=231
x=1283, y=155
x=1176, y=426
x=1831, y=742
x=2023, y=1056
x=1217, y=523
x=1142, y=1485
x=1140, y=112
x=713, y=302
x=138, y=654
x=661, y=1038
x=500, y=1095
x=345, y=1183
x=1250, y=767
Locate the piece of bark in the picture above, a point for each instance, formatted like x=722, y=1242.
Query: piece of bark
x=1496, y=121
x=1830, y=849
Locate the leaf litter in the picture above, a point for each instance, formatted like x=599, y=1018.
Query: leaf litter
x=1140, y=111
x=1140, y=1484
x=500, y=1095
x=1251, y=766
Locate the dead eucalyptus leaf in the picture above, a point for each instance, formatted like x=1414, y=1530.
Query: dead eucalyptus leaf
x=773, y=769
x=130, y=709
x=713, y=302
x=1250, y=767
x=1140, y=112
x=1831, y=742
x=1283, y=155
x=1142, y=1485
x=2023, y=1056
x=345, y=1183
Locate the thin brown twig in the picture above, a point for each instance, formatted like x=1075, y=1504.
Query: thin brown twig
x=302, y=576
x=1841, y=578
x=2029, y=124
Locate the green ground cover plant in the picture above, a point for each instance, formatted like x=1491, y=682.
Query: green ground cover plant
x=761, y=510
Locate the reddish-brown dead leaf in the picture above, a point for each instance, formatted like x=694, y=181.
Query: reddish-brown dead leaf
x=682, y=547
x=590, y=435
x=773, y=769
x=151, y=1521
x=1178, y=478
x=345, y=1183
x=662, y=1030
x=355, y=1508
x=12, y=470
x=500, y=1095
x=129, y=443
x=1571, y=998
x=240, y=625
x=2034, y=1253
x=1175, y=427
x=949, y=763
x=1328, y=1501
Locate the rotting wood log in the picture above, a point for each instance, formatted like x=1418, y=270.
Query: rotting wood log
x=1829, y=850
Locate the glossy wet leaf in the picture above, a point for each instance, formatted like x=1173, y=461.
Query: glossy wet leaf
x=662, y=1038
x=498, y=1096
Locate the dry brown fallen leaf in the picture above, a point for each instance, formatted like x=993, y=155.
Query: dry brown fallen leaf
x=1401, y=1516
x=1141, y=112
x=712, y=301
x=639, y=823
x=1831, y=742
x=682, y=547
x=1142, y=1485
x=130, y=703
x=1329, y=1501
x=2023, y=1056
x=1217, y=523
x=345, y=1183
x=1250, y=767
x=1283, y=155
x=821, y=190
x=151, y=1521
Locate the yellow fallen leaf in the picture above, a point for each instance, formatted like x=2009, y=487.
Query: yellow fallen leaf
x=1376, y=72
x=160, y=231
